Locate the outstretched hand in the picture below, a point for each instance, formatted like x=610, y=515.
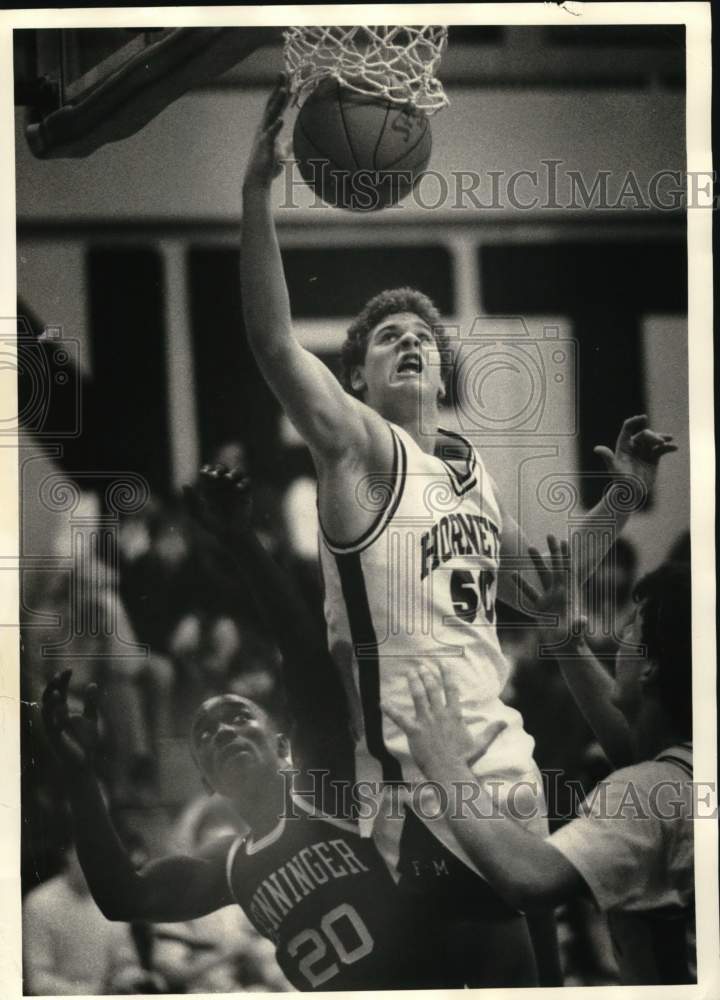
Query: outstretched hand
x=438, y=737
x=73, y=737
x=265, y=162
x=220, y=500
x=637, y=451
x=553, y=601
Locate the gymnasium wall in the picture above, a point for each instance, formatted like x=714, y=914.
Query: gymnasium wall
x=188, y=163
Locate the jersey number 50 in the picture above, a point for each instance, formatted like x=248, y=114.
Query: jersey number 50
x=470, y=591
x=357, y=944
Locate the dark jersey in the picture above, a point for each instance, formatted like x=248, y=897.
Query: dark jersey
x=324, y=897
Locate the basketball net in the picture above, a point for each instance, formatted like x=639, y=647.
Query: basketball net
x=396, y=63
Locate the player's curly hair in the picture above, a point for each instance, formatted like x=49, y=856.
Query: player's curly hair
x=395, y=300
x=666, y=632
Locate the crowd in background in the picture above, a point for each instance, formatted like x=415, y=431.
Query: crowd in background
x=190, y=635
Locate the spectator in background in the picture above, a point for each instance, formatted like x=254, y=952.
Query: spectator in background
x=70, y=948
x=83, y=618
x=194, y=618
x=218, y=654
x=158, y=576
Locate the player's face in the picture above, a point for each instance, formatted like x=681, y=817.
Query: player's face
x=235, y=745
x=401, y=357
x=630, y=668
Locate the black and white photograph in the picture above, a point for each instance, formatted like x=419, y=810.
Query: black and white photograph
x=358, y=588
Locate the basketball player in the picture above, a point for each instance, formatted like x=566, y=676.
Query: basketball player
x=631, y=847
x=413, y=532
x=309, y=883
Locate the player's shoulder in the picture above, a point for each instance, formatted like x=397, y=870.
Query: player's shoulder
x=635, y=777
x=637, y=791
x=677, y=757
x=631, y=772
x=674, y=762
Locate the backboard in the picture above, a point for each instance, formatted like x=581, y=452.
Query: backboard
x=87, y=87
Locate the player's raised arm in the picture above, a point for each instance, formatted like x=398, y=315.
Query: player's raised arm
x=170, y=889
x=221, y=502
x=329, y=420
x=632, y=467
x=589, y=683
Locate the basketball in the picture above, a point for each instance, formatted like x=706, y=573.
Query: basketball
x=358, y=152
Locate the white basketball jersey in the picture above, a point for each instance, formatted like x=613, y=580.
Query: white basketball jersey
x=418, y=588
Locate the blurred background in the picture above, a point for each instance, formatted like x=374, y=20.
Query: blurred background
x=128, y=259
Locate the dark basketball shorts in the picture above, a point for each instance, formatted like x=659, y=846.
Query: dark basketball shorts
x=432, y=873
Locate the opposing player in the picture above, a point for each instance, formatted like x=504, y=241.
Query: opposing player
x=414, y=535
x=631, y=846
x=311, y=884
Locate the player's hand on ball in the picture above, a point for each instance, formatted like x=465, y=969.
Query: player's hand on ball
x=437, y=735
x=637, y=451
x=552, y=603
x=73, y=737
x=220, y=500
x=265, y=162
